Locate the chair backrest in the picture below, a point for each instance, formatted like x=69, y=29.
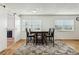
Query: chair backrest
x=27, y=32
x=49, y=31
x=52, y=33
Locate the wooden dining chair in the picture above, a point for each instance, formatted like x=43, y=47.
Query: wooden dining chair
x=34, y=40
x=50, y=35
x=29, y=36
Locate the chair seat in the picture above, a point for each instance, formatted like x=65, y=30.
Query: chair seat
x=48, y=35
x=31, y=35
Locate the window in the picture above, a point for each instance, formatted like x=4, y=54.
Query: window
x=36, y=24
x=64, y=25
x=33, y=24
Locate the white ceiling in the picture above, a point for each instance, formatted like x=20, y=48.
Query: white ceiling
x=44, y=8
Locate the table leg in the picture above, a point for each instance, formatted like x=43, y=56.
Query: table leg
x=44, y=39
x=36, y=39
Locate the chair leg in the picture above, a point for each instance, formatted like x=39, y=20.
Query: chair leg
x=46, y=41
x=53, y=41
x=33, y=40
x=27, y=41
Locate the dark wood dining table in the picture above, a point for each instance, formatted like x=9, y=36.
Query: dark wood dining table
x=42, y=33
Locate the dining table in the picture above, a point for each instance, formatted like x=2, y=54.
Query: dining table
x=42, y=34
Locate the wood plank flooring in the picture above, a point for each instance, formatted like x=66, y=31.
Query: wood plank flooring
x=73, y=43
x=10, y=50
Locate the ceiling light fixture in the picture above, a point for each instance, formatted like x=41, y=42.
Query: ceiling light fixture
x=34, y=11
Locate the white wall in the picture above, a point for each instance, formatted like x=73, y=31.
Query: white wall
x=10, y=21
x=3, y=26
x=48, y=22
x=17, y=28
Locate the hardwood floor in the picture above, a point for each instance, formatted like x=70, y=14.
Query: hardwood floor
x=73, y=43
x=11, y=49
